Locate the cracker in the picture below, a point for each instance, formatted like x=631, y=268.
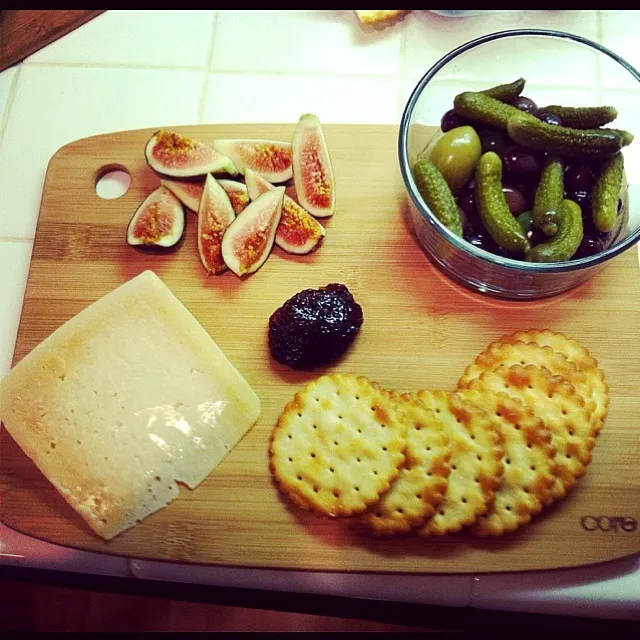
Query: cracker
x=476, y=462
x=338, y=445
x=420, y=487
x=556, y=402
x=577, y=354
x=529, y=463
x=523, y=353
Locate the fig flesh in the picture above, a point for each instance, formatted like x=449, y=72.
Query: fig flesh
x=178, y=156
x=237, y=193
x=312, y=170
x=214, y=217
x=189, y=193
x=158, y=221
x=298, y=231
x=249, y=239
x=270, y=158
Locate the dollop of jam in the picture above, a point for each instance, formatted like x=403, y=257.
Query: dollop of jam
x=314, y=327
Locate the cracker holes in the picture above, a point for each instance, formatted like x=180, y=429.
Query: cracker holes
x=418, y=427
x=473, y=437
x=332, y=470
x=290, y=436
x=400, y=511
x=336, y=493
x=299, y=415
x=564, y=412
x=359, y=430
x=522, y=362
x=437, y=410
x=498, y=414
x=313, y=455
x=315, y=426
x=52, y=444
x=335, y=442
x=529, y=445
x=458, y=420
x=508, y=508
x=568, y=456
x=357, y=397
x=428, y=448
x=453, y=466
x=464, y=500
x=357, y=488
x=429, y=473
x=375, y=473
x=507, y=461
x=526, y=489
x=316, y=490
x=571, y=432
x=476, y=480
x=479, y=458
x=358, y=460
x=441, y=512
x=419, y=496
x=384, y=448
x=299, y=477
x=532, y=467
x=378, y=514
x=290, y=459
x=517, y=427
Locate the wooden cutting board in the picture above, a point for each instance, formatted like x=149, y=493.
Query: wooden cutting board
x=420, y=331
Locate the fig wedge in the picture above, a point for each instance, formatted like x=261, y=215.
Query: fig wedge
x=237, y=193
x=188, y=192
x=214, y=217
x=250, y=237
x=178, y=156
x=272, y=159
x=158, y=221
x=312, y=170
x=298, y=231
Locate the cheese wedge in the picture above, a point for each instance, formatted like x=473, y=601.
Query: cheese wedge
x=123, y=401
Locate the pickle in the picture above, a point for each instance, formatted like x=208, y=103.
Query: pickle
x=606, y=192
x=567, y=239
x=589, y=144
x=626, y=138
x=582, y=117
x=481, y=107
x=493, y=208
x=506, y=92
x=436, y=193
x=549, y=195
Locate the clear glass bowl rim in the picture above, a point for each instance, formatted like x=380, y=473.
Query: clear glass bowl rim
x=424, y=211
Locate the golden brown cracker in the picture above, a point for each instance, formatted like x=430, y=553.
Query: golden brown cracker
x=556, y=402
x=379, y=18
x=421, y=485
x=476, y=462
x=338, y=445
x=523, y=353
x=529, y=463
x=577, y=354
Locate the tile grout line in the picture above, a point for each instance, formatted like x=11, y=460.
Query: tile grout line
x=16, y=239
x=113, y=65
x=10, y=98
x=207, y=69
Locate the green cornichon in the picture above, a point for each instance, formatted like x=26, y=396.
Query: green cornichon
x=549, y=195
x=493, y=208
x=582, y=117
x=564, y=141
x=436, y=193
x=506, y=92
x=481, y=107
x=567, y=239
x=626, y=138
x=606, y=192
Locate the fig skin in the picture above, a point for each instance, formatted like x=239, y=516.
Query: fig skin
x=312, y=169
x=299, y=232
x=158, y=222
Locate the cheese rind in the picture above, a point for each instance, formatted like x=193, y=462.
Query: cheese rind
x=123, y=401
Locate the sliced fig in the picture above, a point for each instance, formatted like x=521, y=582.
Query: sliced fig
x=250, y=237
x=312, y=171
x=237, y=193
x=214, y=216
x=178, y=156
x=188, y=192
x=298, y=231
x=270, y=158
x=158, y=221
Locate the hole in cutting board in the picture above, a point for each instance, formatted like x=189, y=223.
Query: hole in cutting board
x=112, y=182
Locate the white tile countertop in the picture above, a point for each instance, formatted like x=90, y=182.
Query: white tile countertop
x=122, y=70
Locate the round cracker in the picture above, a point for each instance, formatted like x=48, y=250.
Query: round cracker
x=422, y=482
x=562, y=410
x=476, y=462
x=577, y=354
x=524, y=353
x=338, y=445
x=529, y=463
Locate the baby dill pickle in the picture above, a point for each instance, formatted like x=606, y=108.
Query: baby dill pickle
x=436, y=193
x=549, y=195
x=606, y=191
x=481, y=107
x=493, y=208
x=564, y=141
x=567, y=239
x=506, y=92
x=583, y=117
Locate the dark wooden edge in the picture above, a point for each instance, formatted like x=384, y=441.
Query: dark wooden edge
x=414, y=615
x=25, y=32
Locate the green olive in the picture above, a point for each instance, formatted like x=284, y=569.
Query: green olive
x=456, y=155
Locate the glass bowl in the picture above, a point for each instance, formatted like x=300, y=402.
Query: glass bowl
x=560, y=68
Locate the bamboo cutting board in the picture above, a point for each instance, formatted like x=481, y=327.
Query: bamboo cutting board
x=420, y=331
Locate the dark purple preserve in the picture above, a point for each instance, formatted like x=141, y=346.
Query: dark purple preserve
x=314, y=327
